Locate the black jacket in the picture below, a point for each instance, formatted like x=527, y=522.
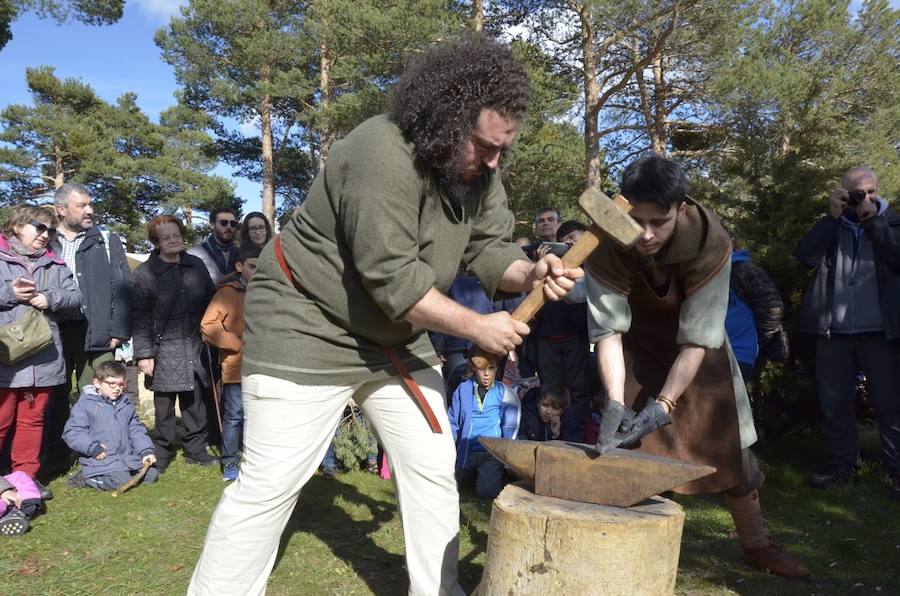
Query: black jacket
x=105, y=283
x=169, y=302
x=818, y=249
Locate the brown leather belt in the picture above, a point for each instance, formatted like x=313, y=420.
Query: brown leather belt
x=401, y=369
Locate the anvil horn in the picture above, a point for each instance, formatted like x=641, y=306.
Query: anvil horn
x=574, y=471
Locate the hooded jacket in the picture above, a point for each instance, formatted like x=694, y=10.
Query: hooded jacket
x=818, y=249
x=462, y=405
x=54, y=280
x=97, y=422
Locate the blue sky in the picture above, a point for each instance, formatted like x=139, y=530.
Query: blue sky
x=113, y=60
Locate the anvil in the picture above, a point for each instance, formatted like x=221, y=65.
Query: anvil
x=574, y=471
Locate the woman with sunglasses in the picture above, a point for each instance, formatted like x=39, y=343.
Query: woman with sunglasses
x=31, y=276
x=255, y=229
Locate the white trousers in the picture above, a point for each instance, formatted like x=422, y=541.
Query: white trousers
x=287, y=429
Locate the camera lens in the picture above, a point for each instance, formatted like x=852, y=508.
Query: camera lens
x=855, y=197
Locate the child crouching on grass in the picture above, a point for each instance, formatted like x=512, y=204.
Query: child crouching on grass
x=482, y=407
x=20, y=501
x=105, y=430
x=223, y=326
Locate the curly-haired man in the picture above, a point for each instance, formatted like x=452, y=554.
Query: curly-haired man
x=340, y=304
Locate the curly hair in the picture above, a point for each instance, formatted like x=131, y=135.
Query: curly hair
x=438, y=100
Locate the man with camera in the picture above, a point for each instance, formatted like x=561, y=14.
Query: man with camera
x=853, y=306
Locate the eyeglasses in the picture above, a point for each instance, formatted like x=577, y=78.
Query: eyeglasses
x=120, y=384
x=257, y=228
x=41, y=227
x=228, y=222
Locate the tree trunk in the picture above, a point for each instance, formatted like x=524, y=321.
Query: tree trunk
x=59, y=176
x=478, y=15
x=659, y=136
x=591, y=97
x=268, y=165
x=326, y=61
x=544, y=545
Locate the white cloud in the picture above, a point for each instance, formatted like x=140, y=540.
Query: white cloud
x=160, y=10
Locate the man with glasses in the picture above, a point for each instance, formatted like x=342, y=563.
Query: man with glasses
x=218, y=250
x=97, y=260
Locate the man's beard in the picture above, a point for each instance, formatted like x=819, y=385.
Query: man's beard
x=458, y=191
x=79, y=225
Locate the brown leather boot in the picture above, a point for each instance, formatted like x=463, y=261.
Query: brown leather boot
x=773, y=559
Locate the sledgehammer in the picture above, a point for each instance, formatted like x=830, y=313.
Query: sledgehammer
x=609, y=217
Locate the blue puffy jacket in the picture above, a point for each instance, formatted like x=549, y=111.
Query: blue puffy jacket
x=463, y=403
x=96, y=419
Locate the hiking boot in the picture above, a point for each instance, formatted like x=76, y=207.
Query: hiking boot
x=201, y=459
x=895, y=487
x=230, y=472
x=76, y=480
x=14, y=523
x=329, y=472
x=834, y=477
x=46, y=493
x=774, y=560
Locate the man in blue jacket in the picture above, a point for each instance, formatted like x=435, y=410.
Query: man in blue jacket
x=97, y=260
x=853, y=306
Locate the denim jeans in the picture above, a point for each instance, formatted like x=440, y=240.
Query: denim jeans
x=232, y=422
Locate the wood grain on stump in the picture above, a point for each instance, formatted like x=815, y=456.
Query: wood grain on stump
x=544, y=545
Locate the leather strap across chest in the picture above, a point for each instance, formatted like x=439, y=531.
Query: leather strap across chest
x=398, y=365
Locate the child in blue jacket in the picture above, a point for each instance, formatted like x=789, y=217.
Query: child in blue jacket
x=481, y=406
x=105, y=430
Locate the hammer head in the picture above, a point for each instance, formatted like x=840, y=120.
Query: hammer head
x=610, y=216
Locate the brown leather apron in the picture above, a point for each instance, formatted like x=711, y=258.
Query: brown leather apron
x=704, y=427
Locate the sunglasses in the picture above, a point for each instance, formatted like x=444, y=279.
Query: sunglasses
x=228, y=222
x=41, y=227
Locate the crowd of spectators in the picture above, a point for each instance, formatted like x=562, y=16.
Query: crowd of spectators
x=182, y=313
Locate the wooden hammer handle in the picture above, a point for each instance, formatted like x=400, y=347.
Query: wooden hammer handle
x=574, y=257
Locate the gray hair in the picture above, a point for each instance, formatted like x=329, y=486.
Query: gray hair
x=858, y=171
x=67, y=191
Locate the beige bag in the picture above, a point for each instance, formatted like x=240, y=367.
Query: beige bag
x=24, y=337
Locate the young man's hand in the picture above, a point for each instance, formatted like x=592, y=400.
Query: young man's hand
x=149, y=458
x=103, y=454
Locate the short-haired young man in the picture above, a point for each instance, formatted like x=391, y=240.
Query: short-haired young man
x=218, y=251
x=657, y=315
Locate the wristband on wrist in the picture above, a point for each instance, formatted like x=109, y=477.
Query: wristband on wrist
x=668, y=402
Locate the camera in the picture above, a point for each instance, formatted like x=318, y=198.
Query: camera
x=855, y=197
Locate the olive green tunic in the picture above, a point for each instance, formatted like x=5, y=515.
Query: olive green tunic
x=374, y=235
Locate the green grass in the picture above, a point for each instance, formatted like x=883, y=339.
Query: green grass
x=345, y=536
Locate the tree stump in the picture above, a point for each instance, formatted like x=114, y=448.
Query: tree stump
x=543, y=545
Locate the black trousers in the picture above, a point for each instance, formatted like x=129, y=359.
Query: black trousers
x=193, y=415
x=564, y=362
x=838, y=359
